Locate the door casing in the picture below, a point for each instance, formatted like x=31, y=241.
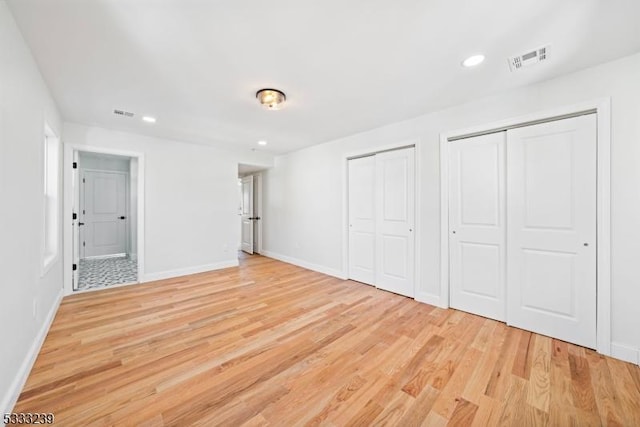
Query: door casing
x=68, y=159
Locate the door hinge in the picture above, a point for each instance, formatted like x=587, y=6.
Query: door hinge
x=83, y=181
x=74, y=216
x=84, y=243
x=75, y=267
x=75, y=165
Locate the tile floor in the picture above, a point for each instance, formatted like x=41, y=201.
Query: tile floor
x=104, y=272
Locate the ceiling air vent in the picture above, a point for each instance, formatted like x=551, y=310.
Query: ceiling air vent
x=530, y=58
x=123, y=113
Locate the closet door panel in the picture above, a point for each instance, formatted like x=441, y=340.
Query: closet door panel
x=362, y=219
x=395, y=218
x=551, y=207
x=477, y=225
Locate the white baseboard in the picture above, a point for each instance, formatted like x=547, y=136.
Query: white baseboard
x=11, y=397
x=304, y=264
x=429, y=299
x=150, y=277
x=625, y=352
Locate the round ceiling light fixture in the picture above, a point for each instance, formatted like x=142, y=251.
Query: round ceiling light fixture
x=472, y=61
x=272, y=99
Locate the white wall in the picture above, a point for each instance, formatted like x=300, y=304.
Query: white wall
x=190, y=200
x=25, y=105
x=303, y=192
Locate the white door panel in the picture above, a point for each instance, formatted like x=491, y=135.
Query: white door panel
x=395, y=218
x=551, y=206
x=247, y=214
x=75, y=239
x=361, y=219
x=477, y=225
x=104, y=205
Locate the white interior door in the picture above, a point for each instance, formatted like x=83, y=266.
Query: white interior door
x=104, y=205
x=247, y=214
x=477, y=225
x=75, y=228
x=362, y=219
x=551, y=237
x=395, y=219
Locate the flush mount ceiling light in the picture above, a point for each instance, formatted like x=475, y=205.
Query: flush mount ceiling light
x=272, y=99
x=149, y=119
x=262, y=142
x=472, y=61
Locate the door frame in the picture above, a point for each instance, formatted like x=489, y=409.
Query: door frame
x=418, y=206
x=69, y=149
x=602, y=108
x=127, y=203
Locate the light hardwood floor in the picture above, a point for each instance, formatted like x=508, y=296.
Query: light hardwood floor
x=273, y=344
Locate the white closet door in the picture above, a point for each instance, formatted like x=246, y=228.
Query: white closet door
x=477, y=225
x=551, y=237
x=395, y=212
x=362, y=219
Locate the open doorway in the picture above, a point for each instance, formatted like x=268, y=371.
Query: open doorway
x=103, y=236
x=250, y=208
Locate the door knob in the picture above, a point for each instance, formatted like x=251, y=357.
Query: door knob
x=122, y=217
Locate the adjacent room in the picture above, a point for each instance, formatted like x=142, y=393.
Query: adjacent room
x=320, y=213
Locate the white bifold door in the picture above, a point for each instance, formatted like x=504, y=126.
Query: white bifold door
x=381, y=220
x=522, y=227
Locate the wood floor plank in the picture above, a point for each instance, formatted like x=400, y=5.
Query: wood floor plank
x=269, y=343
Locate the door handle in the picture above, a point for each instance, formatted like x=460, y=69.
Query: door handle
x=122, y=217
x=80, y=223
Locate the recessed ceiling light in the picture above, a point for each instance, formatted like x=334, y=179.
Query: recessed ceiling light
x=262, y=142
x=472, y=61
x=149, y=119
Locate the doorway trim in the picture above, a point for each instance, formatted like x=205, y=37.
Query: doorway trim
x=602, y=108
x=415, y=143
x=69, y=149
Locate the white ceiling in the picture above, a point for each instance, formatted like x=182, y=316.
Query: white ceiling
x=346, y=66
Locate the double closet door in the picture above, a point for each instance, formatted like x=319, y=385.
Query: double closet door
x=522, y=227
x=381, y=220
